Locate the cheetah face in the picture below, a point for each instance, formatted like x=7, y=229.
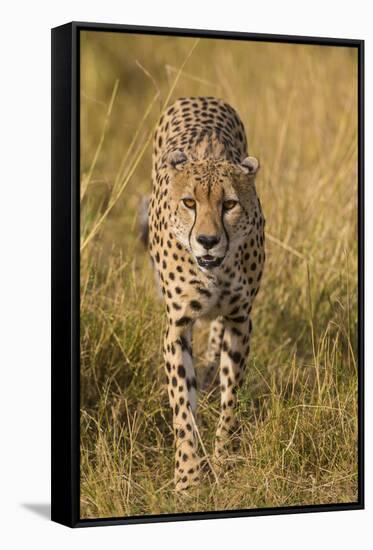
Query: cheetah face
x=212, y=206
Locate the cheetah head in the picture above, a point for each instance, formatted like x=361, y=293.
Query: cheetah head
x=213, y=204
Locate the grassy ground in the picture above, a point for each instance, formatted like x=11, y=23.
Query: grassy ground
x=298, y=405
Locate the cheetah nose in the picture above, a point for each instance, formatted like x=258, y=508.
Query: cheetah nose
x=208, y=241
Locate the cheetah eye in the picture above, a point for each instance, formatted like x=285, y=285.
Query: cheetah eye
x=189, y=203
x=229, y=204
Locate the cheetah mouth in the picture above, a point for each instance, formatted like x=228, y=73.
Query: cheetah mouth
x=207, y=261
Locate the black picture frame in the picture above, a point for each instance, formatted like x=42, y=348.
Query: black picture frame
x=65, y=271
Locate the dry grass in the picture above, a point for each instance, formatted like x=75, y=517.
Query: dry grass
x=298, y=405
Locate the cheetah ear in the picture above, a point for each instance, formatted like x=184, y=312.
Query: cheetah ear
x=250, y=166
x=177, y=159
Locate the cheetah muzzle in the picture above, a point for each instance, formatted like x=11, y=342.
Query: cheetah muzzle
x=206, y=240
x=208, y=262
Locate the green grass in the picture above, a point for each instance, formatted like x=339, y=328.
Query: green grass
x=298, y=405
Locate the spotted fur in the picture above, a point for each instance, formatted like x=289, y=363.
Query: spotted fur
x=206, y=239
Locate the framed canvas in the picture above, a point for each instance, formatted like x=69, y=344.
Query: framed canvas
x=207, y=274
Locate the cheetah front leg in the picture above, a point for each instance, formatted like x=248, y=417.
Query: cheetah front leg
x=234, y=353
x=183, y=400
x=210, y=378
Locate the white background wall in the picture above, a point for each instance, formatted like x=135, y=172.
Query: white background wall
x=25, y=272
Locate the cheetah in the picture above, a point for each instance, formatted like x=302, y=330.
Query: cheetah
x=206, y=241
